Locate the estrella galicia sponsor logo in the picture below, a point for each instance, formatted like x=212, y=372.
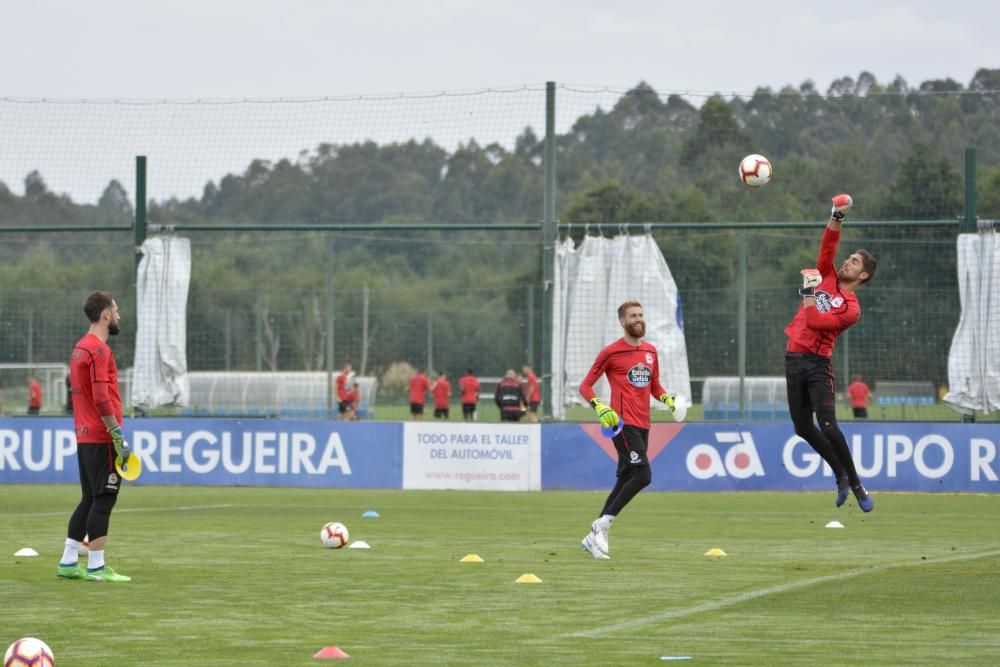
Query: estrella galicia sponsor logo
x=823, y=302
x=640, y=375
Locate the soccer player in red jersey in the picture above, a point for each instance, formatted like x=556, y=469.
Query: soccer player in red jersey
x=532, y=392
x=419, y=386
x=34, y=396
x=442, y=394
x=829, y=307
x=97, y=414
x=470, y=395
x=343, y=402
x=860, y=396
x=633, y=371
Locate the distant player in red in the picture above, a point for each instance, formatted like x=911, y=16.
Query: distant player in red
x=829, y=306
x=34, y=396
x=470, y=395
x=340, y=384
x=633, y=371
x=860, y=397
x=351, y=400
x=97, y=414
x=532, y=392
x=442, y=396
x=419, y=386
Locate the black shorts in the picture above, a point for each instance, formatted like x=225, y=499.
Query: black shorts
x=97, y=468
x=510, y=415
x=809, y=380
x=533, y=406
x=860, y=413
x=416, y=408
x=468, y=408
x=440, y=413
x=344, y=407
x=631, y=446
x=32, y=410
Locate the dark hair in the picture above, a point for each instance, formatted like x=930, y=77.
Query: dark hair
x=469, y=371
x=631, y=303
x=869, y=263
x=96, y=304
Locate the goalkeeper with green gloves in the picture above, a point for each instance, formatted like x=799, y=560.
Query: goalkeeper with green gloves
x=633, y=371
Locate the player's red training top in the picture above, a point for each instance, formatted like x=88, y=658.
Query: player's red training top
x=441, y=390
x=34, y=394
x=633, y=371
x=815, y=329
x=858, y=391
x=341, y=385
x=94, y=376
x=534, y=391
x=419, y=384
x=470, y=389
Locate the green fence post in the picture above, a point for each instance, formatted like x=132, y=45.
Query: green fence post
x=329, y=326
x=141, y=221
x=742, y=335
x=548, y=248
x=969, y=219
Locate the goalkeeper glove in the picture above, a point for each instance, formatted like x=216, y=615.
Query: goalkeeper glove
x=608, y=417
x=841, y=205
x=811, y=279
x=668, y=400
x=122, y=448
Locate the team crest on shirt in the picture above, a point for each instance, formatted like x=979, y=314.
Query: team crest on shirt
x=112, y=479
x=639, y=375
x=633, y=457
x=649, y=357
x=837, y=301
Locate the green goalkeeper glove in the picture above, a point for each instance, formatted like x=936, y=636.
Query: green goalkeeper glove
x=668, y=400
x=122, y=448
x=608, y=417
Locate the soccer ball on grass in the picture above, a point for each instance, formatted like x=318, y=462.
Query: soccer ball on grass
x=334, y=535
x=29, y=652
x=755, y=171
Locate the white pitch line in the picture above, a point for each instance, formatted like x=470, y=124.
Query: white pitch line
x=671, y=614
x=180, y=508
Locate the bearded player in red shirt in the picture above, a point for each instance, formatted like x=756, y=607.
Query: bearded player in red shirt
x=633, y=371
x=829, y=306
x=97, y=413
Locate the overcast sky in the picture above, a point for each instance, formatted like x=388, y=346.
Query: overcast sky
x=294, y=48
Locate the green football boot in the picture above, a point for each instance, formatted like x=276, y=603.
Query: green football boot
x=74, y=571
x=106, y=574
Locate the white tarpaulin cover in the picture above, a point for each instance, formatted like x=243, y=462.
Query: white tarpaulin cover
x=590, y=283
x=974, y=358
x=160, y=371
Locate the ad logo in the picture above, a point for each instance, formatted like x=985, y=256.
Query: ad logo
x=640, y=375
x=740, y=459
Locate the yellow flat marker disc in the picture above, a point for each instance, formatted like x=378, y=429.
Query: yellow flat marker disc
x=130, y=470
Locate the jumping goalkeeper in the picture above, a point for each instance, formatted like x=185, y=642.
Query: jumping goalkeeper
x=829, y=306
x=633, y=371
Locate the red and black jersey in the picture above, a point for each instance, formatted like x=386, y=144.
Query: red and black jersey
x=94, y=374
x=470, y=389
x=633, y=371
x=419, y=386
x=341, y=385
x=812, y=329
x=442, y=392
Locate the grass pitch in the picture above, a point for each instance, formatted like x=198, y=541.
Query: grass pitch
x=237, y=576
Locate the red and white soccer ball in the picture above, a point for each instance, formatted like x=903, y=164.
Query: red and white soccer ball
x=29, y=652
x=755, y=171
x=334, y=535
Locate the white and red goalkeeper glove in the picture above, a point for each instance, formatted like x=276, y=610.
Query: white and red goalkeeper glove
x=811, y=279
x=841, y=205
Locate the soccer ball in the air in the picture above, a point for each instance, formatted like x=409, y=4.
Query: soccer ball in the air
x=29, y=652
x=755, y=171
x=334, y=535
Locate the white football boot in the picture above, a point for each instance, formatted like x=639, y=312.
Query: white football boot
x=589, y=544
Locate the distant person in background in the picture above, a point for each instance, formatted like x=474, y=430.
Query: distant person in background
x=419, y=386
x=34, y=396
x=470, y=395
x=351, y=400
x=860, y=397
x=69, y=395
x=442, y=396
x=509, y=397
x=340, y=384
x=532, y=392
